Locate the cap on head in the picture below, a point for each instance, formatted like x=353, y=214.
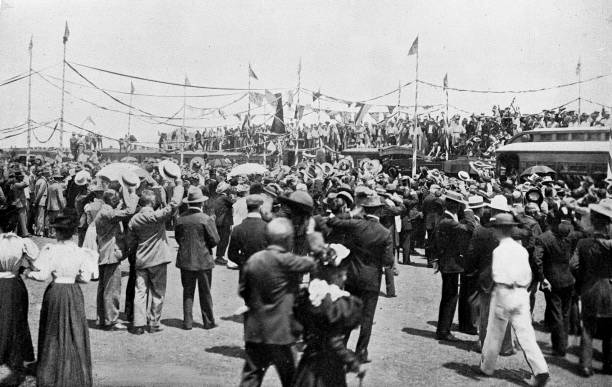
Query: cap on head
x=279, y=230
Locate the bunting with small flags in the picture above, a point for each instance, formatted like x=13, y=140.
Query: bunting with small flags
x=316, y=95
x=363, y=110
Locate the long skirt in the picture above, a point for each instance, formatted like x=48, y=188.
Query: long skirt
x=64, y=354
x=319, y=370
x=15, y=339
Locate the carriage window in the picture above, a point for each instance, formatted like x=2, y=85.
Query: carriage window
x=562, y=136
x=579, y=136
x=542, y=137
x=593, y=136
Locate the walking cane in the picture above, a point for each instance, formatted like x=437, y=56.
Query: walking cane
x=361, y=375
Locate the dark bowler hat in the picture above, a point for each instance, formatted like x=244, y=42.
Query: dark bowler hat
x=372, y=201
x=454, y=196
x=300, y=200
x=503, y=220
x=194, y=195
x=254, y=200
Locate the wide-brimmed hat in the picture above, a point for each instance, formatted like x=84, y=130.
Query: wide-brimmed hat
x=534, y=195
x=169, y=170
x=130, y=179
x=503, y=220
x=300, y=200
x=454, y=196
x=604, y=207
x=82, y=178
x=547, y=180
x=476, y=201
x=222, y=187
x=194, y=195
x=372, y=201
x=499, y=202
x=463, y=175
x=348, y=198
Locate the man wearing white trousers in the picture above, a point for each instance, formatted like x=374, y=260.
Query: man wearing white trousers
x=510, y=303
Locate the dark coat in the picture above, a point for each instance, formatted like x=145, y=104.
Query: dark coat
x=269, y=285
x=223, y=206
x=371, y=248
x=552, y=256
x=594, y=277
x=433, y=208
x=451, y=241
x=248, y=238
x=196, y=235
x=326, y=358
x=479, y=257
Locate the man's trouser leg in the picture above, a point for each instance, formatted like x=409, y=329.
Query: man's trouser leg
x=188, y=280
x=109, y=291
x=22, y=216
x=140, y=298
x=370, y=300
x=448, y=303
x=157, y=293
x=389, y=282
x=224, y=235
x=507, y=346
x=130, y=289
x=405, y=240
x=525, y=335
x=39, y=228
x=558, y=302
x=468, y=292
x=206, y=302
x=260, y=356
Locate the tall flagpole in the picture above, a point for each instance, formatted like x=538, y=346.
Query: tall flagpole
x=129, y=119
x=65, y=40
x=183, y=130
x=448, y=142
x=415, y=146
x=297, y=124
x=579, y=88
x=30, y=47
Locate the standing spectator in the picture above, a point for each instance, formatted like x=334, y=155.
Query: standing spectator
x=248, y=237
x=40, y=202
x=20, y=201
x=223, y=205
x=55, y=201
x=196, y=235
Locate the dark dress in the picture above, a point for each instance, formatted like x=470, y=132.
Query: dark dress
x=326, y=359
x=15, y=339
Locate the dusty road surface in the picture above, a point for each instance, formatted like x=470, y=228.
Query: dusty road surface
x=403, y=349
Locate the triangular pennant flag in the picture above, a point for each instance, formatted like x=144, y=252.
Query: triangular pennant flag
x=414, y=49
x=445, y=81
x=316, y=95
x=278, y=125
x=66, y=33
x=578, y=67
x=31, y=45
x=222, y=114
x=131, y=87
x=237, y=115
x=363, y=110
x=90, y=120
x=187, y=83
x=270, y=98
x=252, y=73
x=390, y=108
x=256, y=98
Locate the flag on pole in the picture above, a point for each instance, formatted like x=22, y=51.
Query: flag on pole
x=187, y=83
x=414, y=49
x=270, y=98
x=66, y=33
x=578, y=67
x=90, y=120
x=390, y=108
x=278, y=125
x=31, y=45
x=445, y=81
x=300, y=66
x=131, y=87
x=316, y=95
x=609, y=175
x=363, y=110
x=252, y=73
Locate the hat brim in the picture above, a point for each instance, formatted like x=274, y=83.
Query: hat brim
x=292, y=203
x=605, y=211
x=200, y=200
x=476, y=206
x=508, y=224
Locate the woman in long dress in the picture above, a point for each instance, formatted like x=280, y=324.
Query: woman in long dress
x=64, y=355
x=15, y=339
x=327, y=313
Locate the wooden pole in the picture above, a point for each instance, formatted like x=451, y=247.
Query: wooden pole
x=129, y=120
x=61, y=134
x=579, y=89
x=415, y=145
x=297, y=124
x=30, y=47
x=183, y=130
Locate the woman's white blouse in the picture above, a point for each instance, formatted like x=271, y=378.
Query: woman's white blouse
x=65, y=261
x=14, y=253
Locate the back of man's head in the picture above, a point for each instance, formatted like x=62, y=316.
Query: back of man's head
x=147, y=198
x=280, y=232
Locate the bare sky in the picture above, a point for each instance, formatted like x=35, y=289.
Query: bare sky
x=349, y=49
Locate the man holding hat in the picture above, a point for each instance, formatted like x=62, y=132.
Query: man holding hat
x=371, y=247
x=196, y=235
x=249, y=236
x=511, y=274
x=40, y=201
x=55, y=200
x=450, y=244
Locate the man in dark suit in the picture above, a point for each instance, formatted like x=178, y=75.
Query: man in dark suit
x=451, y=241
x=433, y=207
x=268, y=285
x=224, y=219
x=196, y=235
x=249, y=237
x=55, y=201
x=371, y=248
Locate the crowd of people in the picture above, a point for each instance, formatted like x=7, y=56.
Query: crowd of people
x=438, y=137
x=312, y=250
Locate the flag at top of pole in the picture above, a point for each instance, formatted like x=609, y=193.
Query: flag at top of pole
x=578, y=67
x=131, y=87
x=187, y=83
x=252, y=73
x=31, y=45
x=445, y=81
x=66, y=33
x=414, y=49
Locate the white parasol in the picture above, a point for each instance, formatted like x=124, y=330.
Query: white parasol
x=248, y=169
x=114, y=171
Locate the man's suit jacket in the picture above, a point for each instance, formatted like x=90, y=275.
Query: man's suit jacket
x=552, y=256
x=196, y=235
x=451, y=241
x=248, y=238
x=223, y=206
x=40, y=192
x=433, y=207
x=371, y=248
x=55, y=197
x=269, y=284
x=19, y=196
x=479, y=257
x=109, y=231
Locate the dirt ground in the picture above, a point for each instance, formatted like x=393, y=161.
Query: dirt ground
x=403, y=348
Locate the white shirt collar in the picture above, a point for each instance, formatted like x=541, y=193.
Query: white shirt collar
x=254, y=215
x=373, y=217
x=195, y=208
x=455, y=217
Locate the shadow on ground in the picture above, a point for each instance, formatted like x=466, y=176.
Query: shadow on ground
x=178, y=323
x=459, y=344
x=228, y=350
x=518, y=377
x=234, y=318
